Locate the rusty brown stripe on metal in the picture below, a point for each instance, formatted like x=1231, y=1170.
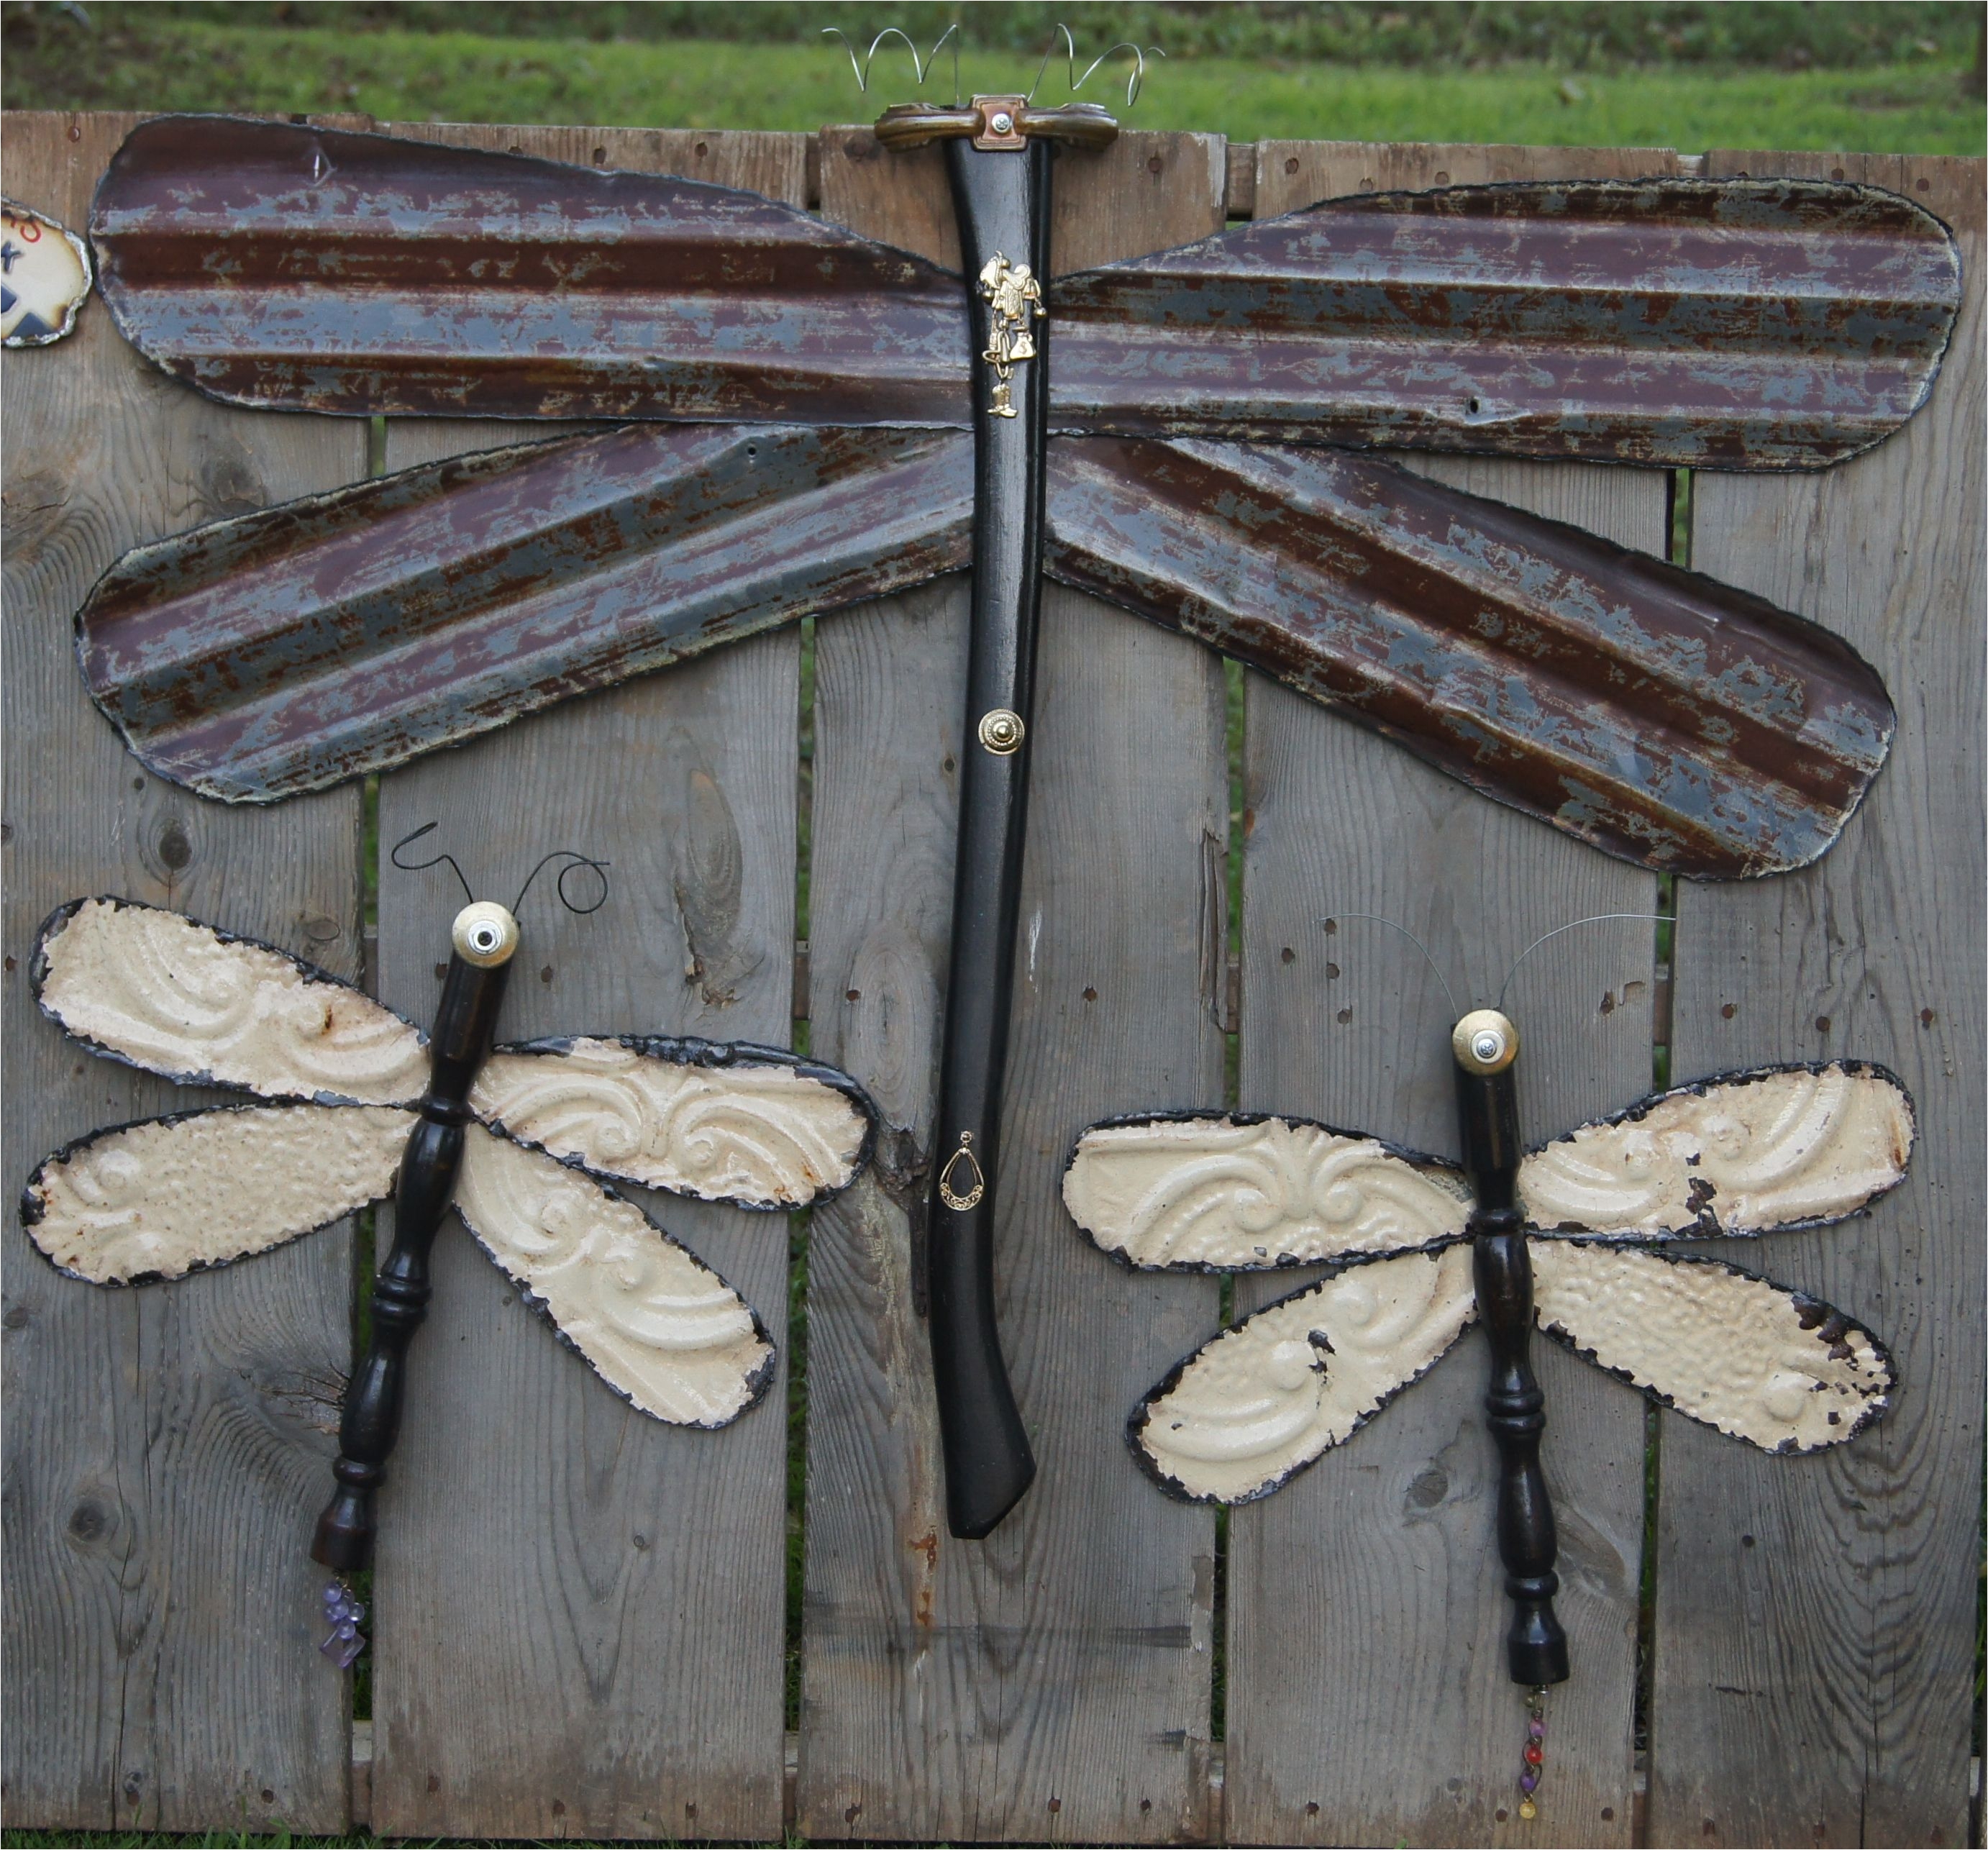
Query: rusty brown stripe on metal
x=1655, y=714
x=306, y=268
x=293, y=649
x=1723, y=324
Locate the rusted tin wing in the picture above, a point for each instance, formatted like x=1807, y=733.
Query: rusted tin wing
x=1723, y=324
x=316, y=269
x=1656, y=715
x=291, y=649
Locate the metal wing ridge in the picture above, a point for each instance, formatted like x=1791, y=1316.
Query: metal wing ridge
x=301, y=268
x=755, y=1126
x=1729, y=323
x=1232, y=1192
x=289, y=650
x=1653, y=713
x=1785, y=1146
x=1253, y=1406
x=169, y=995
x=1738, y=324
x=1753, y=1359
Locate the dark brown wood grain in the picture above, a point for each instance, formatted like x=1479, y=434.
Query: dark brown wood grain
x=1815, y=1616
x=1051, y=1682
x=1368, y=1701
x=581, y=1610
x=166, y=1448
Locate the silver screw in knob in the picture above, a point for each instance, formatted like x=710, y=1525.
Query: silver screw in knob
x=485, y=933
x=1485, y=1042
x=1001, y=123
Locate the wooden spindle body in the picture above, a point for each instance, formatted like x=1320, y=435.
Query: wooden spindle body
x=472, y=993
x=1514, y=1407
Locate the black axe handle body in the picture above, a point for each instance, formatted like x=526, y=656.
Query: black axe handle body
x=1002, y=198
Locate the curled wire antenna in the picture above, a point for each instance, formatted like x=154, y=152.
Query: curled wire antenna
x=919, y=67
x=1134, y=78
x=573, y=861
x=1572, y=925
x=1332, y=925
x=434, y=861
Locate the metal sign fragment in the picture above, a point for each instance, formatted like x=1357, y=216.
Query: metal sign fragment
x=44, y=277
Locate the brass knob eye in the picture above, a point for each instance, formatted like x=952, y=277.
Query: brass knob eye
x=484, y=934
x=1485, y=1042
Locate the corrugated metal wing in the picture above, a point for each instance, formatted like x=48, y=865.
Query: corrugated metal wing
x=305, y=268
x=293, y=649
x=1655, y=714
x=1720, y=324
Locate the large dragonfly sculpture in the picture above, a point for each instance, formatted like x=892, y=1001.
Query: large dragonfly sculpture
x=1567, y=1236
x=807, y=418
x=521, y=1141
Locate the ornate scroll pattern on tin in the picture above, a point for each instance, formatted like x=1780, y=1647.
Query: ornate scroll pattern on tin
x=680, y=1115
x=1264, y=1399
x=163, y=991
x=1782, y=1147
x=661, y=1328
x=1742, y=1154
x=158, y=1200
x=153, y=1201
x=1777, y=1367
x=1222, y=1193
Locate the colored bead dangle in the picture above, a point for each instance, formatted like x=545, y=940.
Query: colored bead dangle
x=1533, y=1766
x=343, y=1613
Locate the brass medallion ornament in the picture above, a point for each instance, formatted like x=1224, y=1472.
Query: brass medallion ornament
x=1002, y=731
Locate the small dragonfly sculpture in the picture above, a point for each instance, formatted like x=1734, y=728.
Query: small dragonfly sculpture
x=1567, y=1237
x=809, y=418
x=521, y=1141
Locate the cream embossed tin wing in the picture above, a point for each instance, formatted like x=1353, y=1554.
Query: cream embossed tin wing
x=1748, y=1153
x=354, y=1088
x=1560, y=1237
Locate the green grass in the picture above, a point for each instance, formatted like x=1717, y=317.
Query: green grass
x=159, y=58
x=1790, y=35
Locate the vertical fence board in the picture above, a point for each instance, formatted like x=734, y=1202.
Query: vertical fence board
x=1814, y=1641
x=166, y=1448
x=1051, y=1682
x=1368, y=1700
x=581, y=1610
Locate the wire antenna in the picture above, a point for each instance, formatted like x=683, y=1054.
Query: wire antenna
x=1134, y=78
x=417, y=867
x=919, y=67
x=1449, y=996
x=574, y=861
x=1572, y=925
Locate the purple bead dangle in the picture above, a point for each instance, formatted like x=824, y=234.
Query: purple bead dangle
x=1532, y=1767
x=343, y=1613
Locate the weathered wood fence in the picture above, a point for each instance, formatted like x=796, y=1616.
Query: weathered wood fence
x=580, y=1627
